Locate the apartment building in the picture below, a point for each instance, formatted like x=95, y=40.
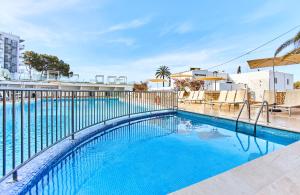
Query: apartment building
x=264, y=80
x=11, y=47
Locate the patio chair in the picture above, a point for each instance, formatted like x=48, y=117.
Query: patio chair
x=221, y=99
x=239, y=97
x=267, y=96
x=195, y=97
x=201, y=97
x=190, y=97
x=291, y=100
x=231, y=98
x=181, y=96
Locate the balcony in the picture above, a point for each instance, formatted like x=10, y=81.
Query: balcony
x=21, y=47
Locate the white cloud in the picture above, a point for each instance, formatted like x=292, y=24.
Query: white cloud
x=122, y=40
x=133, y=24
x=268, y=9
x=144, y=68
x=181, y=28
x=184, y=28
x=136, y=23
x=15, y=9
x=14, y=16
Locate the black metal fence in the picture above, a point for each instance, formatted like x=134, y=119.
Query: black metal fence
x=35, y=119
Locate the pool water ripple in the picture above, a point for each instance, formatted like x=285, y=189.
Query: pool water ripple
x=155, y=156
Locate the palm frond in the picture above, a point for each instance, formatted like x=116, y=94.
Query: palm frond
x=293, y=52
x=297, y=51
x=297, y=38
x=283, y=46
x=163, y=71
x=157, y=74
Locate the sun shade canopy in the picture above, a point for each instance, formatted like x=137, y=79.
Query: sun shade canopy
x=157, y=80
x=181, y=76
x=278, y=61
x=211, y=79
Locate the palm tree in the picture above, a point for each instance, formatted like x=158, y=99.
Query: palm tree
x=163, y=72
x=239, y=70
x=293, y=41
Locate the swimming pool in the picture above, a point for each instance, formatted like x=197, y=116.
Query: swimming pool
x=48, y=121
x=158, y=156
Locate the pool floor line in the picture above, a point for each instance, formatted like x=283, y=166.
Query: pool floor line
x=36, y=167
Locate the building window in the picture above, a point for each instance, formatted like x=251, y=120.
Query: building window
x=288, y=81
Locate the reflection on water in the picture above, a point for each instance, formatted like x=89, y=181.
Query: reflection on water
x=155, y=156
x=80, y=163
x=212, y=134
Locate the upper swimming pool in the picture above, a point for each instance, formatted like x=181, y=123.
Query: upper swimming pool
x=48, y=121
x=157, y=156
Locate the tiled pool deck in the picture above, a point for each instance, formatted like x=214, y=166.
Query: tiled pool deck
x=276, y=173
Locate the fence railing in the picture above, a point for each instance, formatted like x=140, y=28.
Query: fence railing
x=35, y=119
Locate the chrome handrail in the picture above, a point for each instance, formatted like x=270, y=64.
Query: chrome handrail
x=259, y=112
x=248, y=107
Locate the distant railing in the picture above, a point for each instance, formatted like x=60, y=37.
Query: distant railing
x=35, y=119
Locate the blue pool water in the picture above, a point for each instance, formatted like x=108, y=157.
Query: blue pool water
x=56, y=122
x=158, y=156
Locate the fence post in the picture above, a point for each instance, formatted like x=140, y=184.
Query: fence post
x=15, y=173
x=129, y=104
x=177, y=100
x=4, y=132
x=72, y=120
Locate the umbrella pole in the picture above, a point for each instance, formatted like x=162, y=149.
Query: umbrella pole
x=274, y=109
x=215, y=85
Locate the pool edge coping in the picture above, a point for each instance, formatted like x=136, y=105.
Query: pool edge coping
x=36, y=166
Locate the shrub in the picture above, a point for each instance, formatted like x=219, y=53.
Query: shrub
x=297, y=85
x=143, y=86
x=194, y=85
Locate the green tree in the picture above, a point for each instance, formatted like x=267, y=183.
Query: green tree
x=32, y=60
x=295, y=41
x=163, y=72
x=297, y=85
x=45, y=62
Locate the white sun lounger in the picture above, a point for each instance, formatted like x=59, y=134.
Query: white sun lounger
x=230, y=99
x=291, y=100
x=268, y=96
x=195, y=97
x=201, y=97
x=190, y=97
x=180, y=96
x=221, y=99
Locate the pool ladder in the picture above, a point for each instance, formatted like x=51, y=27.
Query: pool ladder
x=246, y=102
x=264, y=103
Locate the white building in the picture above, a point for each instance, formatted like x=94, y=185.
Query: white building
x=10, y=52
x=195, y=73
x=65, y=85
x=264, y=80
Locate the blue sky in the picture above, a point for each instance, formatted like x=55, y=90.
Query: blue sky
x=134, y=37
